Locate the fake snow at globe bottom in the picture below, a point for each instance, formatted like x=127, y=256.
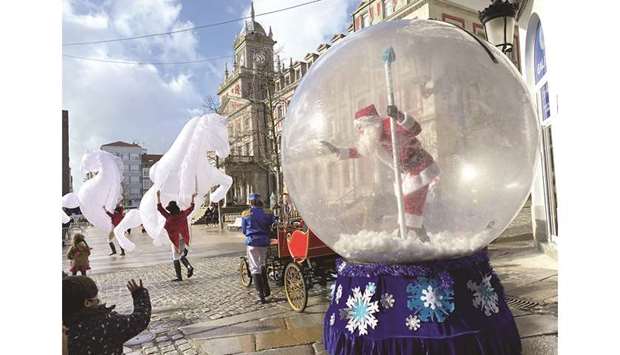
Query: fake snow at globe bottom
x=389, y=248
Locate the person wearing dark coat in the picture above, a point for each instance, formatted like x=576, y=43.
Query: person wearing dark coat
x=92, y=328
x=256, y=225
x=116, y=217
x=178, y=232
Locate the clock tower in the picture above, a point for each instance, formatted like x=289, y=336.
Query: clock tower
x=243, y=95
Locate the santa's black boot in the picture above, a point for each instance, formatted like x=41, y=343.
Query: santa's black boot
x=113, y=248
x=190, y=268
x=177, y=270
x=422, y=234
x=258, y=282
x=266, y=289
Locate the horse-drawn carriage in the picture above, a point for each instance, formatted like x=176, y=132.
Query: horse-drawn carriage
x=296, y=259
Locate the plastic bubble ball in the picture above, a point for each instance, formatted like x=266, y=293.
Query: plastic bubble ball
x=466, y=143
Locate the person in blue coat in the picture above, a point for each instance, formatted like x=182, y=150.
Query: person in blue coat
x=255, y=225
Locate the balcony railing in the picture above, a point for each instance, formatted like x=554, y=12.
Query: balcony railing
x=239, y=159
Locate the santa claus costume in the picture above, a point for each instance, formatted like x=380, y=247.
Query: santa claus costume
x=418, y=168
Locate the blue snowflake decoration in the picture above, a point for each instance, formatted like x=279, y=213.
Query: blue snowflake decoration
x=431, y=299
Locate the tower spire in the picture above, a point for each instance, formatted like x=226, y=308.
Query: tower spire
x=252, y=11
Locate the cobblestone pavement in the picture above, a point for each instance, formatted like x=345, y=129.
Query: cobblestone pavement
x=213, y=292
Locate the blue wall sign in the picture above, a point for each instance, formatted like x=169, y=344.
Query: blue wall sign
x=540, y=63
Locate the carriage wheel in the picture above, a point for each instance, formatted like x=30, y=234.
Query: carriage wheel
x=295, y=287
x=244, y=272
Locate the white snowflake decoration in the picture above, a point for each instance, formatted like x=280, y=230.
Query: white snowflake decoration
x=485, y=296
x=387, y=301
x=360, y=311
x=430, y=298
x=412, y=322
x=332, y=289
x=342, y=266
x=338, y=294
x=332, y=319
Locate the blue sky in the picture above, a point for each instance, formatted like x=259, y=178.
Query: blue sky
x=150, y=103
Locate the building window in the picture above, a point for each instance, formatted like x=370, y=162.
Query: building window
x=134, y=156
x=388, y=8
x=247, y=149
x=298, y=74
x=365, y=20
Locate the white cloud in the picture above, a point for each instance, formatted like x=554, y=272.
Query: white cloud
x=301, y=30
x=110, y=102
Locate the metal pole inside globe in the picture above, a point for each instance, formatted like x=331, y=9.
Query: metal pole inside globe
x=388, y=57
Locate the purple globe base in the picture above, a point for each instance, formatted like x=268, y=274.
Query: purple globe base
x=446, y=307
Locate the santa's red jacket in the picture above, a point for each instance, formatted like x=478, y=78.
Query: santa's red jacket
x=416, y=163
x=176, y=224
x=116, y=217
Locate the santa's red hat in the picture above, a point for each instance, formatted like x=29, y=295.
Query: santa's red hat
x=366, y=116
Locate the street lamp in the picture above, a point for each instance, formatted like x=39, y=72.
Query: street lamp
x=499, y=23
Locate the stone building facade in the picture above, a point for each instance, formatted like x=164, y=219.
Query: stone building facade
x=148, y=160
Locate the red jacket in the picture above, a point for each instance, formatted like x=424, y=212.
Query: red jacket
x=117, y=217
x=176, y=224
x=413, y=157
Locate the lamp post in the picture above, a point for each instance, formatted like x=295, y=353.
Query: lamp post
x=498, y=20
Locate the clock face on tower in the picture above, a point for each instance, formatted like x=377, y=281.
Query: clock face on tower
x=259, y=58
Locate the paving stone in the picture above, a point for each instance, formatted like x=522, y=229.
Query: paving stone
x=319, y=349
x=163, y=344
x=293, y=350
x=288, y=337
x=151, y=350
x=161, y=339
x=180, y=341
x=231, y=345
x=177, y=336
x=540, y=345
x=190, y=352
x=172, y=353
x=166, y=348
x=537, y=324
x=184, y=347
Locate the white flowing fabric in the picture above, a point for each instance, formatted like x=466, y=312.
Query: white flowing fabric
x=65, y=218
x=182, y=171
x=104, y=189
x=69, y=200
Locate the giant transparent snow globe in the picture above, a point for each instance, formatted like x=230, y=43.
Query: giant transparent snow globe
x=466, y=143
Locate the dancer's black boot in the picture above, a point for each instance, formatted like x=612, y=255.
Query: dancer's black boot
x=258, y=282
x=190, y=268
x=177, y=270
x=266, y=289
x=113, y=248
x=122, y=251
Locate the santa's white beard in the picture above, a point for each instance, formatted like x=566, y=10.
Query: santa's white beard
x=369, y=142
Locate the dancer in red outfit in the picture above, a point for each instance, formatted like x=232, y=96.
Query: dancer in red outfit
x=178, y=232
x=418, y=167
x=116, y=217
